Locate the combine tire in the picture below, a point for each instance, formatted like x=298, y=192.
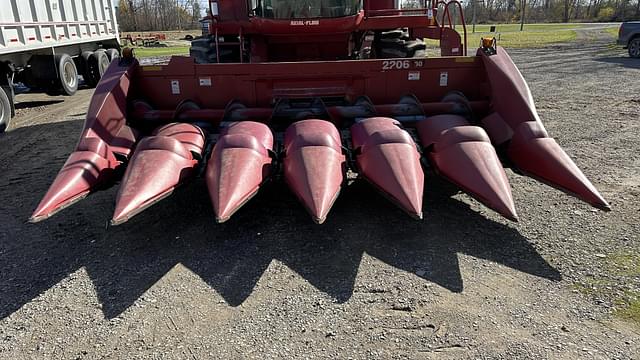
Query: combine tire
x=202, y=51
x=634, y=48
x=5, y=109
x=67, y=82
x=397, y=44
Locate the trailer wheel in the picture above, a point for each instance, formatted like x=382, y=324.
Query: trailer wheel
x=97, y=62
x=113, y=54
x=5, y=110
x=102, y=59
x=634, y=48
x=67, y=81
x=89, y=79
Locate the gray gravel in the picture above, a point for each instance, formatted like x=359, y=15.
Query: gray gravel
x=369, y=284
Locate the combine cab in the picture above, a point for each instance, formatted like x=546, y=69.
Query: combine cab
x=308, y=91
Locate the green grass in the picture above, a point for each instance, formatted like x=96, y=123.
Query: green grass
x=620, y=265
x=613, y=30
x=503, y=28
x=145, y=52
x=631, y=311
x=533, y=35
x=624, y=264
x=527, y=39
x=508, y=35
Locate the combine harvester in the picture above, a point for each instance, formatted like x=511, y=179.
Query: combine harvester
x=308, y=92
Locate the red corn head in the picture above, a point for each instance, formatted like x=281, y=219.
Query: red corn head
x=238, y=165
x=388, y=159
x=464, y=155
x=159, y=164
x=314, y=165
x=541, y=157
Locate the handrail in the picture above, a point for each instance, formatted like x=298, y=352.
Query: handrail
x=451, y=24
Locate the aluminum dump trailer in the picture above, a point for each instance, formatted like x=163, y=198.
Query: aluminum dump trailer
x=48, y=44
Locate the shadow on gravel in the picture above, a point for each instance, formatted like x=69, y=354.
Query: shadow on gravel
x=624, y=61
x=124, y=261
x=32, y=104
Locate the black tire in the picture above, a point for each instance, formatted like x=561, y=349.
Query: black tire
x=113, y=54
x=97, y=63
x=5, y=109
x=67, y=81
x=202, y=51
x=634, y=48
x=89, y=78
x=397, y=44
x=41, y=72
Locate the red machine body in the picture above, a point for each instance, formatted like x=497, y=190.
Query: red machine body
x=316, y=30
x=255, y=118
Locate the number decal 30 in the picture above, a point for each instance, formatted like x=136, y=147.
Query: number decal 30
x=395, y=64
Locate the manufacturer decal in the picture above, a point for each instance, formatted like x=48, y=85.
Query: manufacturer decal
x=444, y=78
x=205, y=81
x=175, y=87
x=305, y=22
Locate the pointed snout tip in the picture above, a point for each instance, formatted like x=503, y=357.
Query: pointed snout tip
x=35, y=219
x=118, y=221
x=222, y=219
x=319, y=220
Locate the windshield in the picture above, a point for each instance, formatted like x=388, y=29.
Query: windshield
x=305, y=9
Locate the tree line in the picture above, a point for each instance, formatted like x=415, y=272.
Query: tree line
x=162, y=15
x=536, y=11
x=158, y=15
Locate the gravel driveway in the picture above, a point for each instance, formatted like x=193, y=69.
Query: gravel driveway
x=370, y=283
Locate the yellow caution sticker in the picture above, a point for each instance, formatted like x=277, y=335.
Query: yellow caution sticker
x=152, y=68
x=465, y=59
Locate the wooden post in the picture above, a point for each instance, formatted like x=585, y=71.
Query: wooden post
x=524, y=6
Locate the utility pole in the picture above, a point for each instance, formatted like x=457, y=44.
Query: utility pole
x=524, y=6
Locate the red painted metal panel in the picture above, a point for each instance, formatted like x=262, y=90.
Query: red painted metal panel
x=258, y=85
